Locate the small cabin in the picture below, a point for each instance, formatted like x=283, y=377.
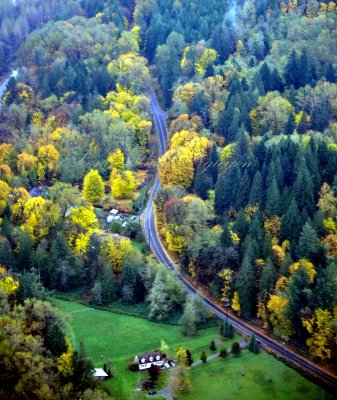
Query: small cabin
x=100, y=374
x=146, y=360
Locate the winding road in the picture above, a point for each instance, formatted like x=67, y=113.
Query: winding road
x=157, y=248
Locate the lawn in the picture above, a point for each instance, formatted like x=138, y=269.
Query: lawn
x=251, y=376
x=116, y=337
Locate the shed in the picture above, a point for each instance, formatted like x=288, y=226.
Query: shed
x=100, y=374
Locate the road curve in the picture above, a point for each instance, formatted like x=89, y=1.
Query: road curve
x=159, y=251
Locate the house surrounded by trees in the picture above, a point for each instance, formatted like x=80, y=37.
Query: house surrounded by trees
x=146, y=360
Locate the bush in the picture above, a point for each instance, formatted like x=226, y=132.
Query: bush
x=189, y=358
x=133, y=366
x=212, y=346
x=203, y=357
x=236, y=350
x=223, y=353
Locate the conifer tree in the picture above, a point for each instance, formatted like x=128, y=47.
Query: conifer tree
x=268, y=279
x=246, y=287
x=273, y=202
x=309, y=245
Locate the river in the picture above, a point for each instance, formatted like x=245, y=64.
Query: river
x=3, y=86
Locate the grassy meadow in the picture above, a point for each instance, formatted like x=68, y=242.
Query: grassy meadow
x=118, y=338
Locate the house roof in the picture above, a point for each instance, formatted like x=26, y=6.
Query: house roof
x=150, y=357
x=114, y=211
x=99, y=372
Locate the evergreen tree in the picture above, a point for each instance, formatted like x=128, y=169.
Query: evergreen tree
x=300, y=296
x=292, y=72
x=202, y=183
x=226, y=238
x=303, y=189
x=107, y=281
x=253, y=345
x=212, y=346
x=309, y=245
x=188, y=320
x=326, y=287
x=226, y=189
x=236, y=350
x=291, y=124
x=277, y=83
x=266, y=77
x=214, y=163
x=304, y=124
x=268, y=279
x=255, y=195
x=93, y=261
x=330, y=74
x=189, y=358
x=304, y=76
x=203, y=357
x=246, y=287
x=291, y=222
x=273, y=201
x=223, y=353
x=241, y=225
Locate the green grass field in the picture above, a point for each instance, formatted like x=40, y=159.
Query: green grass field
x=251, y=377
x=118, y=338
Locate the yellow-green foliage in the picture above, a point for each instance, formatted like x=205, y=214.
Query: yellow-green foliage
x=65, y=361
x=122, y=185
x=4, y=192
x=39, y=216
x=319, y=328
x=81, y=224
x=93, y=186
x=116, y=249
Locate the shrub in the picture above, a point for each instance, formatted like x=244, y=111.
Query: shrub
x=133, y=366
x=212, y=346
x=236, y=350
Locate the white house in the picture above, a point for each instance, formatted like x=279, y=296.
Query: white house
x=146, y=360
x=100, y=374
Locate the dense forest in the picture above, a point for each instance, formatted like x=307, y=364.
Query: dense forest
x=248, y=199
x=249, y=196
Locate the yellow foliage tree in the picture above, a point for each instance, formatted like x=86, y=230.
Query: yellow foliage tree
x=176, y=168
x=7, y=153
x=116, y=250
x=175, y=241
x=262, y=314
x=65, y=361
x=180, y=356
x=309, y=267
x=18, y=200
x=7, y=283
x=226, y=275
x=4, y=192
x=49, y=157
x=93, y=186
x=122, y=185
x=277, y=306
x=116, y=161
x=81, y=224
x=40, y=215
x=235, y=303
x=182, y=138
x=278, y=255
x=5, y=172
x=26, y=164
x=320, y=330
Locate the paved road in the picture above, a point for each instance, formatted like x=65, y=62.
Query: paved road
x=3, y=85
x=157, y=248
